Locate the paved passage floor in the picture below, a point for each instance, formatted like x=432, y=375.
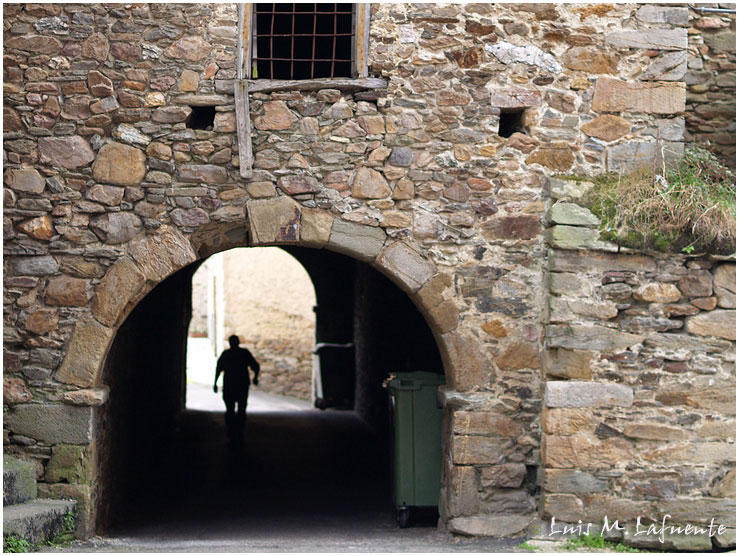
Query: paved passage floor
x=306, y=481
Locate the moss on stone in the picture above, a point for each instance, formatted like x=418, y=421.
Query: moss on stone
x=69, y=464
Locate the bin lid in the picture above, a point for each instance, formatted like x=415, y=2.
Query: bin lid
x=414, y=380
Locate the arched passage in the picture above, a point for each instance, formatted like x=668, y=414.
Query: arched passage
x=266, y=297
x=145, y=373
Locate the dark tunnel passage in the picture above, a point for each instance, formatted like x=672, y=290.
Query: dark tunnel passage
x=160, y=465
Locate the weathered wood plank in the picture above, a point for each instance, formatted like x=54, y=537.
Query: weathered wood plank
x=271, y=85
x=243, y=128
x=361, y=39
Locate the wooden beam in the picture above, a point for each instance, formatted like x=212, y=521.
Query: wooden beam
x=243, y=69
x=243, y=128
x=361, y=39
x=271, y=85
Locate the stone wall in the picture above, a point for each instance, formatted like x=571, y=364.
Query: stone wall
x=640, y=399
x=440, y=181
x=711, y=80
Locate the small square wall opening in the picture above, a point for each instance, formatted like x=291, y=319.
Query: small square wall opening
x=510, y=122
x=202, y=117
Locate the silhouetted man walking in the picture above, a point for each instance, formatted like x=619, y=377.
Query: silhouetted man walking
x=235, y=363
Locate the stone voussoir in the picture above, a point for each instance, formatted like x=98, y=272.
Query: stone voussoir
x=405, y=265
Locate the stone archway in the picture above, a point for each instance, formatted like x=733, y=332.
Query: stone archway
x=281, y=221
x=278, y=221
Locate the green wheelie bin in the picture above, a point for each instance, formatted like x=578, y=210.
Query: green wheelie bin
x=415, y=418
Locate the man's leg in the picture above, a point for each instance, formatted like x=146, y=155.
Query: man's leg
x=230, y=416
x=241, y=415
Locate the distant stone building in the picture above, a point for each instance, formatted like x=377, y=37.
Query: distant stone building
x=266, y=298
x=418, y=173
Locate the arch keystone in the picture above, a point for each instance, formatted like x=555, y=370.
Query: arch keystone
x=315, y=227
x=85, y=352
x=121, y=284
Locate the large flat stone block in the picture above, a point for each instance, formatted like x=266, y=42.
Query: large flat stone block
x=594, y=263
x=67, y=152
x=475, y=450
x=653, y=39
x=573, y=237
x=36, y=521
x=462, y=352
x=568, y=363
x=632, y=155
x=719, y=323
x=613, y=95
x=485, y=424
x=82, y=494
x=52, y=423
x=583, y=452
x=597, y=338
x=572, y=215
x=576, y=393
x=573, y=481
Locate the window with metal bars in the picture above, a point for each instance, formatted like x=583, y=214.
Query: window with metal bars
x=303, y=41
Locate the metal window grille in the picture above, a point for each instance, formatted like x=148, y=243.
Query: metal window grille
x=303, y=41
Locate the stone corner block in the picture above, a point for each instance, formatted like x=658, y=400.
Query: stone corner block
x=274, y=221
x=405, y=266
x=82, y=494
x=121, y=285
x=52, y=423
x=572, y=214
x=356, y=240
x=576, y=393
x=569, y=189
x=578, y=238
x=85, y=354
x=596, y=338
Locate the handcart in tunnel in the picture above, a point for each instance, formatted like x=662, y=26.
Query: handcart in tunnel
x=333, y=375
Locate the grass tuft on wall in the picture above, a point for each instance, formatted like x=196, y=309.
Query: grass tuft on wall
x=689, y=208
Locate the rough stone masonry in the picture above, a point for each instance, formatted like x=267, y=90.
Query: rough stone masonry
x=581, y=381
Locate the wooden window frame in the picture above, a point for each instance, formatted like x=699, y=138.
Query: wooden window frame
x=247, y=38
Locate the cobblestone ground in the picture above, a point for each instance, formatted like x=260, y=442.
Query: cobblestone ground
x=305, y=481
